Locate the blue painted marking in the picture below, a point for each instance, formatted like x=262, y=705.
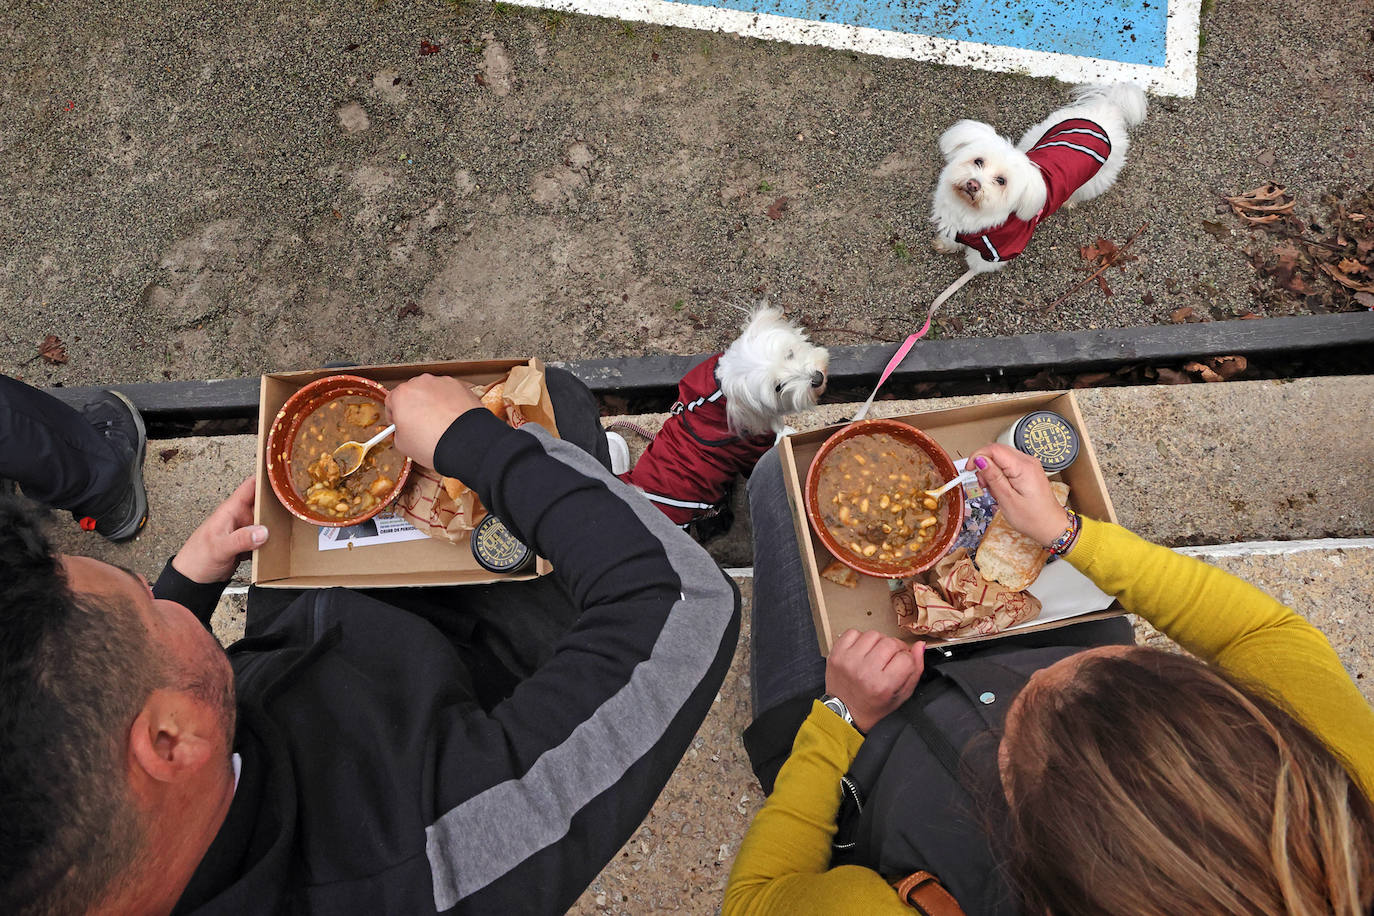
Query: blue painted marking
x=1127, y=31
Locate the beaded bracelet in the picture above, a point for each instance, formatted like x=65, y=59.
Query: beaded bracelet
x=1064, y=543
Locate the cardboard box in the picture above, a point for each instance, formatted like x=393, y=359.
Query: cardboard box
x=960, y=431
x=291, y=558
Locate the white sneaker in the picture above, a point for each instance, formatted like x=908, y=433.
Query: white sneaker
x=620, y=453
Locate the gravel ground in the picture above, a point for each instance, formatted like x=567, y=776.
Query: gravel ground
x=194, y=189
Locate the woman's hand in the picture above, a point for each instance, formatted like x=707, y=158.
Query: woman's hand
x=214, y=550
x=1018, y=483
x=872, y=674
x=423, y=408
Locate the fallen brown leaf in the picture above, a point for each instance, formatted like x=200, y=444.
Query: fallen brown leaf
x=53, y=350
x=1365, y=299
x=408, y=310
x=1267, y=198
x=167, y=454
x=1266, y=158
x=1180, y=316
x=1228, y=367
x=1204, y=372
x=778, y=207
x=1215, y=229
x=1345, y=281
x=1351, y=266
x=1173, y=377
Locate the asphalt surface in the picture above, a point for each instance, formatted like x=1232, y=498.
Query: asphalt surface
x=193, y=190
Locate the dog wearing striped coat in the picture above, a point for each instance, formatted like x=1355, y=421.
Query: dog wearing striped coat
x=992, y=195
x=730, y=410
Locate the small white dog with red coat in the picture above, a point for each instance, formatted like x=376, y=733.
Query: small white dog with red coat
x=991, y=195
x=730, y=410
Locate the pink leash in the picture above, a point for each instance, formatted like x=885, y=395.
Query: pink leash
x=907, y=344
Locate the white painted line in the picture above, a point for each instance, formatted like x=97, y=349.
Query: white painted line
x=1177, y=77
x=1273, y=548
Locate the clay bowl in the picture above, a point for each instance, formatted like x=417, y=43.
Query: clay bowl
x=951, y=509
x=281, y=439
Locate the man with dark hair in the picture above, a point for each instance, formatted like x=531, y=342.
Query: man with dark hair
x=483, y=749
x=89, y=462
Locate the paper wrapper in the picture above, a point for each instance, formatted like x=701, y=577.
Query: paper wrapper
x=954, y=599
x=445, y=508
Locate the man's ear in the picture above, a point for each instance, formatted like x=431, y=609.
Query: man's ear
x=171, y=736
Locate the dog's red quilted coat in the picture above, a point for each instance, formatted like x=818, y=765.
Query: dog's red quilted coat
x=688, y=468
x=1068, y=156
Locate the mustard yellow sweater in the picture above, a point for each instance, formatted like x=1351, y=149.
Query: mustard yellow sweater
x=783, y=865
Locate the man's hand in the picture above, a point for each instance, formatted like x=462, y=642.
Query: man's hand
x=213, y=551
x=873, y=674
x=1018, y=483
x=423, y=409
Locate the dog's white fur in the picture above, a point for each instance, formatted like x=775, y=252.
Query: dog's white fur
x=770, y=371
x=1009, y=182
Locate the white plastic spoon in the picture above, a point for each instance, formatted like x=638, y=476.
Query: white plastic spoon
x=966, y=478
x=343, y=453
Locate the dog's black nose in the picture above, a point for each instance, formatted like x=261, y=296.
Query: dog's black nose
x=972, y=186
x=817, y=379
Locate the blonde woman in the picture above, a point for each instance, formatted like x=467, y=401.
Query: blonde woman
x=1072, y=773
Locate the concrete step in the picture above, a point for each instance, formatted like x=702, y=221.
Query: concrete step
x=1192, y=464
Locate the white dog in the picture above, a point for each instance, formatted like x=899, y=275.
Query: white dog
x=991, y=195
x=730, y=411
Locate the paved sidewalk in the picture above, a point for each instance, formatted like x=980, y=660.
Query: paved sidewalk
x=197, y=189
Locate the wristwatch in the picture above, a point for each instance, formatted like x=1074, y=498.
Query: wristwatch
x=836, y=705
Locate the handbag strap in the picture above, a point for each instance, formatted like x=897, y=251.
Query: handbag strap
x=923, y=892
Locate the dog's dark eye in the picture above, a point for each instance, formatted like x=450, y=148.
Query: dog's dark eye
x=777, y=389
x=1001, y=180
x=789, y=354
x=978, y=163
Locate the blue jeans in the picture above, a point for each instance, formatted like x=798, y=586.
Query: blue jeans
x=55, y=456
x=786, y=661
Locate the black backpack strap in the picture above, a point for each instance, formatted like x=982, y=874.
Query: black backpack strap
x=934, y=738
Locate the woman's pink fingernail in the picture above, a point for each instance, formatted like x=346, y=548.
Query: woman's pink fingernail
x=981, y=462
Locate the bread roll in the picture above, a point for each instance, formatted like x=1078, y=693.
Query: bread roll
x=1008, y=557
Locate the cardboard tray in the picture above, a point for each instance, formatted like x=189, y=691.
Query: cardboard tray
x=960, y=431
x=291, y=558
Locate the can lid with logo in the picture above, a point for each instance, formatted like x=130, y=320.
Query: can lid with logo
x=496, y=549
x=1044, y=435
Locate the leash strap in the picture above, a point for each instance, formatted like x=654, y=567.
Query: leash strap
x=907, y=344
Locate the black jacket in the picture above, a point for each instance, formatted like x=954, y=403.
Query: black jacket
x=373, y=779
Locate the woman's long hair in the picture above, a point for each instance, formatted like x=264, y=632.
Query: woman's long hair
x=1150, y=784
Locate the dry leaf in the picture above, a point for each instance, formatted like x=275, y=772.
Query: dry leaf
x=1216, y=229
x=1365, y=299
x=1351, y=266
x=1205, y=372
x=1266, y=158
x=1179, y=316
x=1267, y=198
x=1228, y=367
x=1342, y=279
x=778, y=208
x=1172, y=377
x=53, y=350
x=408, y=310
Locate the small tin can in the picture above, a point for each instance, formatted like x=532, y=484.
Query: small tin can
x=1045, y=435
x=496, y=549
